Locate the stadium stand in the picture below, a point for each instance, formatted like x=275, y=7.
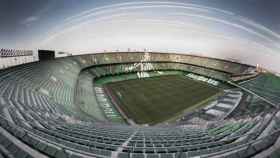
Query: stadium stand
x=12, y=57
x=266, y=85
x=84, y=96
x=101, y=71
x=224, y=105
x=40, y=113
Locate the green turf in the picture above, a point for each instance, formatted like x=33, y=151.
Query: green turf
x=153, y=100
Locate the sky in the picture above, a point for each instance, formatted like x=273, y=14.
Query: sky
x=247, y=31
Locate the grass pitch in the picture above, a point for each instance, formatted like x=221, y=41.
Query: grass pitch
x=156, y=99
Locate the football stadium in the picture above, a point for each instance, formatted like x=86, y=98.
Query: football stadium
x=142, y=103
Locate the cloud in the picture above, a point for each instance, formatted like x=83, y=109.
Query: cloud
x=105, y=12
x=153, y=3
x=260, y=27
x=179, y=28
x=29, y=20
